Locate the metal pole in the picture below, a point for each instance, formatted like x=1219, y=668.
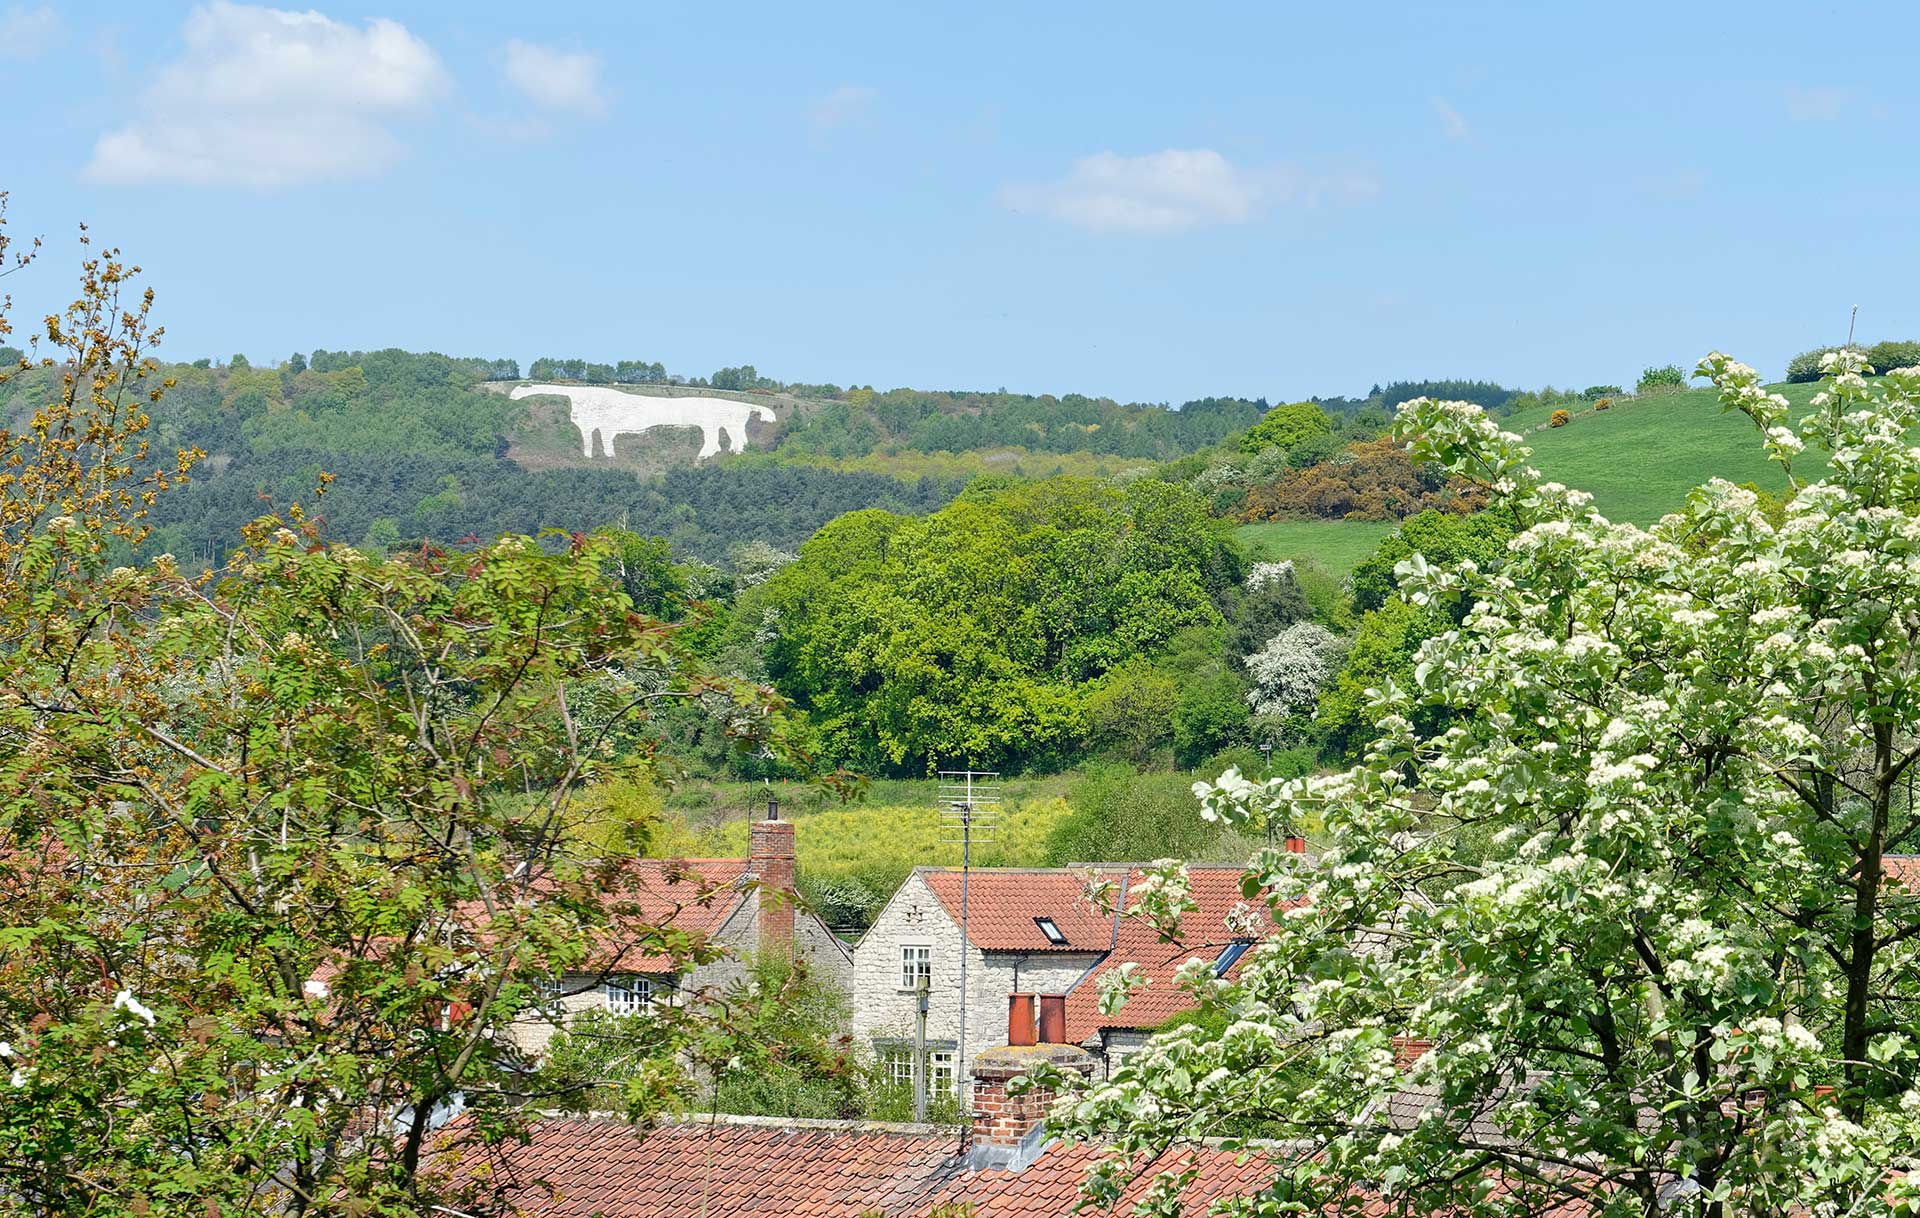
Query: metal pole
x=920, y=1046
x=966, y=866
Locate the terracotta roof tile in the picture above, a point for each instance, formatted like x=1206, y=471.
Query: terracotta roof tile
x=578, y=1168
x=1002, y=904
x=1216, y=894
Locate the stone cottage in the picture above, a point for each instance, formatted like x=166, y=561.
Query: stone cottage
x=1031, y=932
x=743, y=906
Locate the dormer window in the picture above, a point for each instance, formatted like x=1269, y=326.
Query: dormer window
x=1051, y=930
x=1230, y=956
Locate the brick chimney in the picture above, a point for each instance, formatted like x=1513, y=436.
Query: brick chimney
x=1010, y=1131
x=770, y=860
x=1408, y=1050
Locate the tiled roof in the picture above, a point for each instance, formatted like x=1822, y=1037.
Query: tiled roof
x=692, y=895
x=1216, y=894
x=1002, y=904
x=745, y=1168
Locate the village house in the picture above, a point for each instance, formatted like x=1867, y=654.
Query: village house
x=744, y=906
x=1033, y=939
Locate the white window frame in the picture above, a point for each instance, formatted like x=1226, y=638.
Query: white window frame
x=942, y=1077
x=551, y=991
x=898, y=1062
x=630, y=994
x=916, y=961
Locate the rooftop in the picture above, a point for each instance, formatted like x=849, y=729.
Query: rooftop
x=747, y=1167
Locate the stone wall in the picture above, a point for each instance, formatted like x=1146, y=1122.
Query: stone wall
x=883, y=1008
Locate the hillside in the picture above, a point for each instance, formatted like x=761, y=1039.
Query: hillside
x=1640, y=458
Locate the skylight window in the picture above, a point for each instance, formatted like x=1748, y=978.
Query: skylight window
x=1229, y=957
x=1051, y=930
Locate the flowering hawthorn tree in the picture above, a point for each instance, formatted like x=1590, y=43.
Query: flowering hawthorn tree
x=1291, y=670
x=287, y=849
x=1643, y=895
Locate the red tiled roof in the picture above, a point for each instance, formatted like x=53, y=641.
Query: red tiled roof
x=733, y=1168
x=692, y=895
x=1216, y=893
x=1002, y=904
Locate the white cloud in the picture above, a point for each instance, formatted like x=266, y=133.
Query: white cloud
x=26, y=32
x=1814, y=105
x=266, y=98
x=562, y=82
x=1180, y=188
x=846, y=105
x=1451, y=120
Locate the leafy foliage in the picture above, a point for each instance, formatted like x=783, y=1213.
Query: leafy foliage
x=284, y=849
x=1666, y=966
x=1664, y=379
x=1375, y=481
x=1285, y=427
x=969, y=636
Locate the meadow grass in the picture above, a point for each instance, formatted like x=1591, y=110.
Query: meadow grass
x=1638, y=459
x=1336, y=545
x=1641, y=457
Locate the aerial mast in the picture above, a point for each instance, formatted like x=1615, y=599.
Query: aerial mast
x=969, y=807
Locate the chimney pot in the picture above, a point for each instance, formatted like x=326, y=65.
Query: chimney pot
x=1296, y=844
x=1053, y=1019
x=1020, y=1022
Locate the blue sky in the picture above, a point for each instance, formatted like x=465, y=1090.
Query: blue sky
x=1154, y=202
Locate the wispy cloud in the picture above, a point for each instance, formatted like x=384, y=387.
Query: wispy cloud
x=266, y=98
x=559, y=82
x=1451, y=120
x=1809, y=104
x=1175, y=190
x=846, y=106
x=27, y=33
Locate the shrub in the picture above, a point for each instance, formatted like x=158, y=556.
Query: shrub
x=1603, y=403
x=1805, y=366
x=1285, y=426
x=1291, y=670
x=1600, y=392
x=1665, y=379
x=1377, y=481
x=1559, y=418
x=1894, y=353
x=1212, y=714
x=1122, y=816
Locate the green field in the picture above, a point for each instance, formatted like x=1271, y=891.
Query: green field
x=1640, y=458
x=1336, y=545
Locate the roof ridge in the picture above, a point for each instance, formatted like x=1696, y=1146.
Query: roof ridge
x=696, y=1119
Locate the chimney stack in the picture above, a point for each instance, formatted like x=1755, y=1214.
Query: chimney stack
x=1408, y=1050
x=1010, y=1131
x=770, y=860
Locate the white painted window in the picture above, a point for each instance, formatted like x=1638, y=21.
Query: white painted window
x=940, y=1073
x=629, y=995
x=549, y=991
x=898, y=1064
x=915, y=962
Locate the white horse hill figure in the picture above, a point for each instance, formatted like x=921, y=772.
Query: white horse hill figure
x=615, y=412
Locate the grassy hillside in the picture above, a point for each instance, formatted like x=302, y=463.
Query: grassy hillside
x=1640, y=458
x=1337, y=545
